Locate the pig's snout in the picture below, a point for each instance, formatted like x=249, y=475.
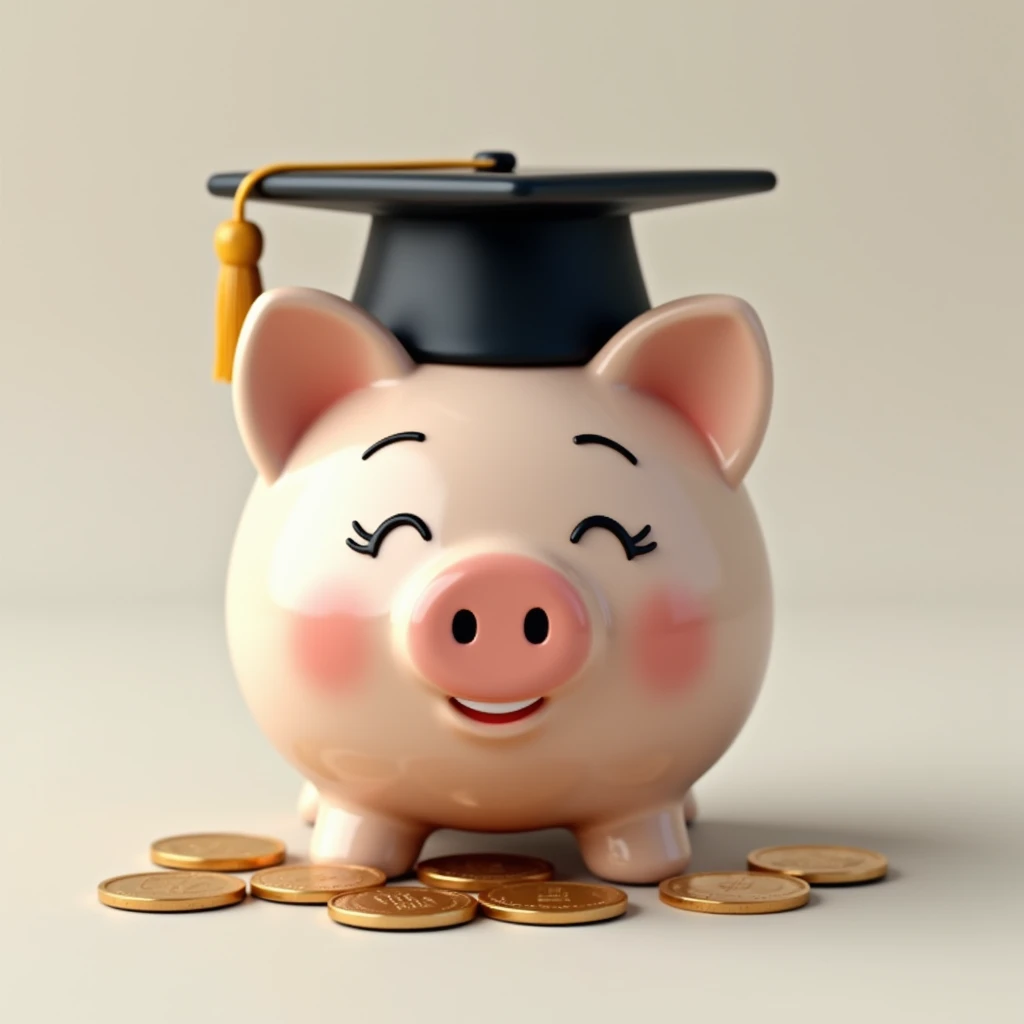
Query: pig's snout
x=499, y=628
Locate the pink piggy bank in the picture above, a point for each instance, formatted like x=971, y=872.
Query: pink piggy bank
x=500, y=598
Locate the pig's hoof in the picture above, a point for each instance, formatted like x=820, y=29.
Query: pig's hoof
x=309, y=803
x=345, y=837
x=637, y=851
x=690, y=807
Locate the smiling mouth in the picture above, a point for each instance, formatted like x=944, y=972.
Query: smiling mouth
x=496, y=714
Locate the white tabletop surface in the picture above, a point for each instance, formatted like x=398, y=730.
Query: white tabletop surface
x=897, y=729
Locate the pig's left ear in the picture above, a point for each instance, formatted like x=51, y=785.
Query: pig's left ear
x=300, y=352
x=707, y=357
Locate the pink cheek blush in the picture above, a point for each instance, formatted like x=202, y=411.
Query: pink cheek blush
x=331, y=650
x=671, y=640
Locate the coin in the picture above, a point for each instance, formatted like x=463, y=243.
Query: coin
x=734, y=892
x=164, y=891
x=217, y=851
x=312, y=883
x=402, y=908
x=472, y=872
x=553, y=902
x=820, y=865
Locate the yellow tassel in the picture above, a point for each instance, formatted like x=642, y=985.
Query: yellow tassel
x=239, y=244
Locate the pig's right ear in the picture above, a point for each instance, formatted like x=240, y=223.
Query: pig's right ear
x=300, y=352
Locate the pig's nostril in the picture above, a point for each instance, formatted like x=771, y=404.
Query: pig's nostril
x=464, y=626
x=536, y=625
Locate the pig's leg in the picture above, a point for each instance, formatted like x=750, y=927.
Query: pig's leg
x=690, y=807
x=349, y=837
x=648, y=847
x=309, y=803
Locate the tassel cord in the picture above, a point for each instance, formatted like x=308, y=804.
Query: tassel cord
x=239, y=245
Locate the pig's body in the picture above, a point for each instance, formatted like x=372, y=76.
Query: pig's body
x=645, y=668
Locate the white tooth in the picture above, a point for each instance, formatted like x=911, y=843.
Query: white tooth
x=496, y=709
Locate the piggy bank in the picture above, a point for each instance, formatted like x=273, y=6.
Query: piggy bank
x=500, y=598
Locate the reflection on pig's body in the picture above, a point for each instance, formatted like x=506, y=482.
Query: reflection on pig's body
x=546, y=602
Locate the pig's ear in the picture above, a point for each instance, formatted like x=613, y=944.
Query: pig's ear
x=300, y=351
x=707, y=358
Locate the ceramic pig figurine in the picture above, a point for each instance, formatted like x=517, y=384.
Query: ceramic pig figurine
x=500, y=599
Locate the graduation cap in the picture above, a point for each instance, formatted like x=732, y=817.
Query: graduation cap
x=474, y=261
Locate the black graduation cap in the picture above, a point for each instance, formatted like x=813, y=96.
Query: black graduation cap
x=476, y=262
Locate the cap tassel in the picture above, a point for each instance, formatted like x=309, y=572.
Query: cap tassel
x=238, y=244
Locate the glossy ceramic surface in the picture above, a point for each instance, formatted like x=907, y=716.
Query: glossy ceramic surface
x=546, y=603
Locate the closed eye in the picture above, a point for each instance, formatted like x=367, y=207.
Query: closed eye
x=630, y=542
x=371, y=542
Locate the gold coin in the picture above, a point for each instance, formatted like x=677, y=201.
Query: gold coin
x=164, y=891
x=734, y=892
x=217, y=851
x=313, y=883
x=553, y=902
x=472, y=872
x=402, y=908
x=820, y=865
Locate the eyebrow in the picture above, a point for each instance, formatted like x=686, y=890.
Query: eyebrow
x=405, y=435
x=608, y=443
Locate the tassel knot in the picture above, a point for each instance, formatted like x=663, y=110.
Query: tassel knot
x=238, y=243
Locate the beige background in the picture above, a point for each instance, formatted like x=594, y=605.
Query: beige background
x=888, y=270
x=887, y=266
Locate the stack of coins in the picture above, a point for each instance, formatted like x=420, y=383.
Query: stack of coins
x=508, y=887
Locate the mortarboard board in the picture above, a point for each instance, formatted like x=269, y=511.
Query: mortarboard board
x=474, y=261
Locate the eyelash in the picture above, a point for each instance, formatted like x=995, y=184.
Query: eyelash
x=630, y=542
x=373, y=541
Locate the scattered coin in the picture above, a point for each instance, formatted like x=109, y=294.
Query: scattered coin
x=472, y=872
x=553, y=902
x=163, y=891
x=820, y=865
x=734, y=892
x=402, y=908
x=217, y=851
x=313, y=883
